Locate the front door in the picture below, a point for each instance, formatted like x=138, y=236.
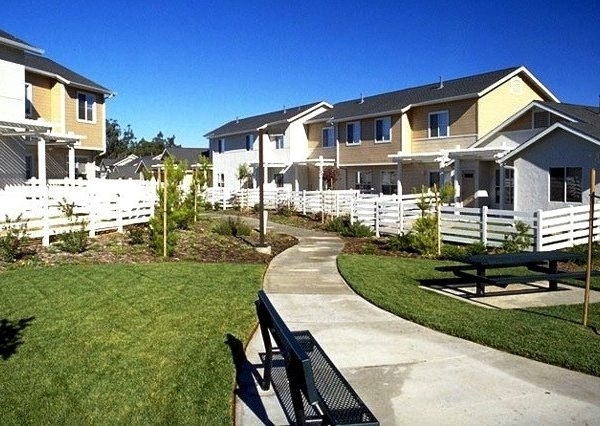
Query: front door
x=467, y=189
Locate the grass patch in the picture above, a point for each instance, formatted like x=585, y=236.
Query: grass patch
x=122, y=344
x=552, y=335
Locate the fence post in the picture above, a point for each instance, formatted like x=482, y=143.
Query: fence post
x=571, y=227
x=303, y=202
x=539, y=243
x=224, y=199
x=92, y=204
x=45, y=201
x=377, y=214
x=484, y=225
x=120, y=211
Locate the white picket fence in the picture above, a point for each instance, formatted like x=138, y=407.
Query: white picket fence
x=394, y=215
x=102, y=204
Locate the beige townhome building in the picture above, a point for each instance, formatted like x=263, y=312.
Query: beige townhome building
x=399, y=141
x=52, y=119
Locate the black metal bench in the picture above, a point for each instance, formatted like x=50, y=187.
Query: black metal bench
x=315, y=384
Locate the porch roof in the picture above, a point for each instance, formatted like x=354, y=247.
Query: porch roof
x=23, y=128
x=481, y=154
x=421, y=157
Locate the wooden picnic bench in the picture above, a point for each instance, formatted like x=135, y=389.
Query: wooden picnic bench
x=544, y=263
x=314, y=384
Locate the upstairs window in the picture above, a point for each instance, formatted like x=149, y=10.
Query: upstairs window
x=221, y=146
x=221, y=180
x=279, y=142
x=86, y=107
x=541, y=119
x=28, y=100
x=328, y=137
x=248, y=142
x=353, y=133
x=565, y=184
x=439, y=124
x=383, y=129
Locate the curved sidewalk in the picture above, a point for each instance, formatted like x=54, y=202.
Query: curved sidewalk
x=406, y=373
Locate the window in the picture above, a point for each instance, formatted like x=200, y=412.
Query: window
x=221, y=146
x=389, y=182
x=248, y=142
x=86, y=106
x=383, y=129
x=279, y=144
x=327, y=137
x=353, y=133
x=364, y=181
x=28, y=101
x=28, y=167
x=221, y=180
x=509, y=186
x=438, y=124
x=541, y=119
x=278, y=178
x=565, y=184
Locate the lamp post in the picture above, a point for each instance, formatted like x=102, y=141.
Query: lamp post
x=261, y=189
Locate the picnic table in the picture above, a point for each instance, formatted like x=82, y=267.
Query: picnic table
x=544, y=263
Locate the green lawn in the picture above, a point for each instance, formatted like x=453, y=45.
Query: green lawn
x=122, y=344
x=551, y=334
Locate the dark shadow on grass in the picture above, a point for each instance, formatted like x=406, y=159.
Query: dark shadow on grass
x=11, y=333
x=247, y=378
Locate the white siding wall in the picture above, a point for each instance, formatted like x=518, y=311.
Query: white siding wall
x=12, y=91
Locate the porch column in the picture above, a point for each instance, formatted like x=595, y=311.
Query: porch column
x=399, y=177
x=41, y=154
x=457, y=178
x=261, y=188
x=501, y=186
x=320, y=173
x=296, y=183
x=71, y=162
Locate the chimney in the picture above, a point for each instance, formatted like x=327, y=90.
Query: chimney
x=284, y=110
x=362, y=100
x=441, y=86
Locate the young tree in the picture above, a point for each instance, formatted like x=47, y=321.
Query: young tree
x=243, y=174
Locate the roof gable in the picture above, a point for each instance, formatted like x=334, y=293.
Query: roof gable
x=12, y=41
x=252, y=124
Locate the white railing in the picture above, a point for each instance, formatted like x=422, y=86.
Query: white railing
x=393, y=215
x=102, y=204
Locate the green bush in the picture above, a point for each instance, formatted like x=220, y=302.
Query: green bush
x=13, y=240
x=232, y=227
x=425, y=236
x=462, y=252
x=342, y=225
x=285, y=209
x=76, y=239
x=136, y=234
x=517, y=241
x=402, y=243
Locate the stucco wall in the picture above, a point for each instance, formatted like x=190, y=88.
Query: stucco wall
x=12, y=91
x=559, y=149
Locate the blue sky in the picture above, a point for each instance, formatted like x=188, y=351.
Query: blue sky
x=186, y=67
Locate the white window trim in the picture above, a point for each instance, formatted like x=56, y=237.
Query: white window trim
x=277, y=138
x=375, y=130
x=94, y=108
x=445, y=111
x=332, y=130
x=357, y=123
x=516, y=86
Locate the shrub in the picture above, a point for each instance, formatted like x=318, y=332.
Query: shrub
x=402, y=242
x=232, y=227
x=285, y=209
x=136, y=234
x=520, y=240
x=76, y=239
x=13, y=240
x=462, y=252
x=425, y=236
x=343, y=226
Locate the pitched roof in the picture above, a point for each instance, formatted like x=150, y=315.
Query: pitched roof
x=401, y=100
x=11, y=40
x=41, y=63
x=190, y=155
x=33, y=60
x=252, y=124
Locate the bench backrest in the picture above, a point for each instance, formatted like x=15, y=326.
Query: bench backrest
x=298, y=361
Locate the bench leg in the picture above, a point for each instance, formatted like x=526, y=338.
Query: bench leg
x=553, y=266
x=480, y=290
x=296, y=395
x=264, y=331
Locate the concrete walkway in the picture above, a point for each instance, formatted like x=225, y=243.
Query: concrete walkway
x=406, y=374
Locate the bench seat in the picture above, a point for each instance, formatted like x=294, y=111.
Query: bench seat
x=313, y=380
